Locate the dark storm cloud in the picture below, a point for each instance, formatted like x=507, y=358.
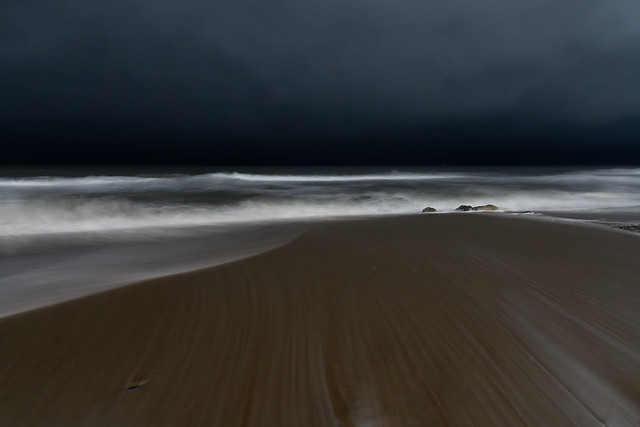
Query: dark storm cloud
x=327, y=71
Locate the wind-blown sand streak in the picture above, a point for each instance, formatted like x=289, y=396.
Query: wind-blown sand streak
x=420, y=320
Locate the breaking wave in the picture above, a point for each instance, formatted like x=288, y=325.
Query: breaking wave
x=55, y=204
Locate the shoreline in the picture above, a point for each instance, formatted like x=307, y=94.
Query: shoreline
x=267, y=236
x=419, y=319
x=51, y=270
x=233, y=242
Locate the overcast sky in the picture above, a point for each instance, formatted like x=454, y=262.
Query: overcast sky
x=311, y=81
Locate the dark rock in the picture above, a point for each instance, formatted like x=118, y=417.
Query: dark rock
x=485, y=208
x=429, y=209
x=464, y=208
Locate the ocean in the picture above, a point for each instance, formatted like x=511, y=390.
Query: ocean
x=113, y=200
x=66, y=232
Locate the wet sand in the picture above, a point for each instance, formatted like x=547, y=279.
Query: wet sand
x=461, y=319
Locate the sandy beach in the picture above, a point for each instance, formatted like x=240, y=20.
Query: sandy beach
x=425, y=320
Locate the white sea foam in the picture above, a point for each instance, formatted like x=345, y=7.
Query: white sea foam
x=37, y=217
x=42, y=205
x=336, y=178
x=49, y=181
x=593, y=177
x=231, y=179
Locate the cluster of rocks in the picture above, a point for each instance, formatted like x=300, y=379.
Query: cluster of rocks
x=477, y=208
x=465, y=208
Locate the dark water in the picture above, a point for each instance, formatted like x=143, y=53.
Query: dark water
x=70, y=231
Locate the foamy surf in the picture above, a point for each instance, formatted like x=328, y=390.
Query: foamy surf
x=34, y=205
x=38, y=273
